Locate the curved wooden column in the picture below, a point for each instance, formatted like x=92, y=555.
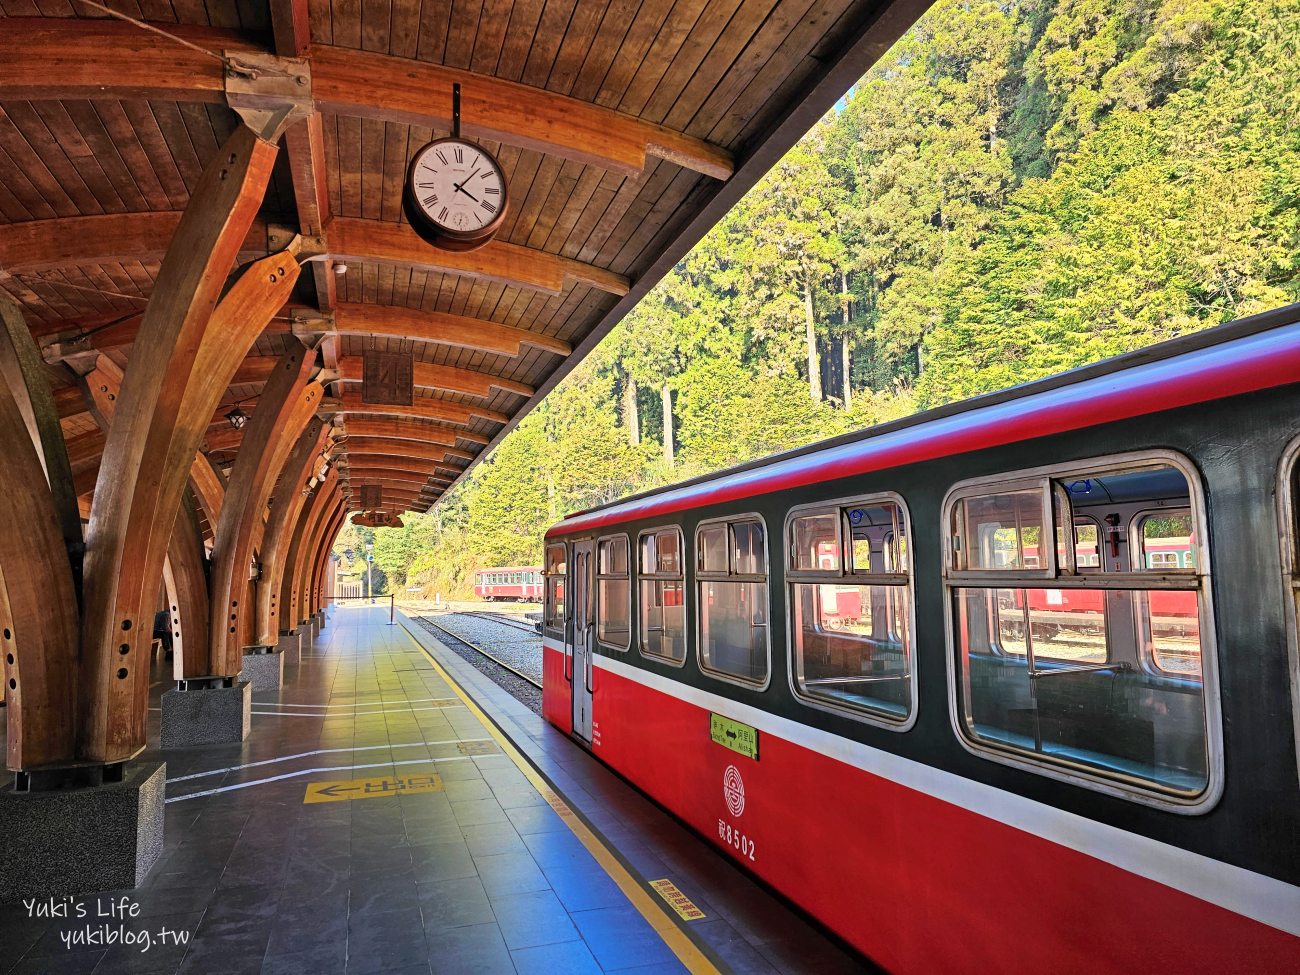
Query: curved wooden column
x=321, y=560
x=39, y=639
x=188, y=348
x=187, y=592
x=288, y=403
x=307, y=566
x=291, y=610
x=290, y=498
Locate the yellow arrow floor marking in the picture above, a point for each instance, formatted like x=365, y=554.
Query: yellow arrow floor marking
x=346, y=790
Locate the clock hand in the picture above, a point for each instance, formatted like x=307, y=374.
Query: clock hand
x=461, y=189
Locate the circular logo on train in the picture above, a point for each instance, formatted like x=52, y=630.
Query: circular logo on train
x=733, y=790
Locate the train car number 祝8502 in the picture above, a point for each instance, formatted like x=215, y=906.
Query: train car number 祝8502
x=736, y=839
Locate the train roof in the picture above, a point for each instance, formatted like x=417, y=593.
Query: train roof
x=1243, y=356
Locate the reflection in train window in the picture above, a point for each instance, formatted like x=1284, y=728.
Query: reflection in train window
x=1102, y=677
x=553, y=606
x=850, y=608
x=613, y=593
x=732, y=574
x=662, y=627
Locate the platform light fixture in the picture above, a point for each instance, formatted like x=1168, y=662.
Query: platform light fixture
x=237, y=418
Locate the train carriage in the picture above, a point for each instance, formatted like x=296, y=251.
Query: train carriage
x=520, y=584
x=1008, y=685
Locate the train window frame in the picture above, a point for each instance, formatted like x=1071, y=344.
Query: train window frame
x=652, y=576
x=700, y=576
x=1288, y=470
x=614, y=577
x=1061, y=770
x=807, y=576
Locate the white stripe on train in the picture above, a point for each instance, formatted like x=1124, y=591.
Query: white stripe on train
x=1244, y=892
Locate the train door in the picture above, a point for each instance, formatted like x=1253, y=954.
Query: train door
x=581, y=636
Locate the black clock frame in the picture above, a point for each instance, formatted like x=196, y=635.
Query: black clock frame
x=445, y=238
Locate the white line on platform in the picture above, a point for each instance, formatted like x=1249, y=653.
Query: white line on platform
x=313, y=771
x=320, y=751
x=356, y=714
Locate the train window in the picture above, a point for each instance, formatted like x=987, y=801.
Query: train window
x=1094, y=672
x=613, y=593
x=733, y=600
x=851, y=619
x=662, y=626
x=999, y=531
x=815, y=542
x=553, y=603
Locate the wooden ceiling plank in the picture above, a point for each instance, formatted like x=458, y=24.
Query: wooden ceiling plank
x=119, y=151
x=62, y=142
x=493, y=24
x=578, y=38
x=144, y=123
x=33, y=180
x=668, y=44
x=464, y=27
x=404, y=32
x=546, y=42
x=608, y=41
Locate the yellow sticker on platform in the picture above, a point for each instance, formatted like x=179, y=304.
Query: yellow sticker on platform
x=678, y=901
x=388, y=785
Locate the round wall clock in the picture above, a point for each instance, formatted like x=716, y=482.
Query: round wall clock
x=455, y=195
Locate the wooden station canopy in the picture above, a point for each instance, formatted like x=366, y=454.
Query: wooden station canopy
x=624, y=129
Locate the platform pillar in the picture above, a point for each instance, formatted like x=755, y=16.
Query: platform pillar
x=65, y=834
x=290, y=644
x=206, y=711
x=263, y=668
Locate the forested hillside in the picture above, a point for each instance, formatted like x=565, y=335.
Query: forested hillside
x=1019, y=187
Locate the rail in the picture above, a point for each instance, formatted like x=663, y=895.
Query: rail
x=474, y=646
x=342, y=600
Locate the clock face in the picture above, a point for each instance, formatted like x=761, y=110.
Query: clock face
x=457, y=187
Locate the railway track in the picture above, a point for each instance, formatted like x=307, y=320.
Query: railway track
x=500, y=618
x=461, y=640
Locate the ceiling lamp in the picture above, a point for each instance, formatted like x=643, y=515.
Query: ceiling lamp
x=237, y=418
x=340, y=267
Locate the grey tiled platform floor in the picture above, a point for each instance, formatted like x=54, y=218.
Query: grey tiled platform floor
x=479, y=877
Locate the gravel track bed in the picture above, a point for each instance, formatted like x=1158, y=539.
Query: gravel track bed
x=512, y=645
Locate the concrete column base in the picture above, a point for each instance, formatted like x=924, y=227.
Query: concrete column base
x=68, y=842
x=290, y=645
x=263, y=668
x=197, y=713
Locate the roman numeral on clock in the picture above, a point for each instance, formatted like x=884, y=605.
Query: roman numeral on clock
x=430, y=200
x=489, y=207
x=492, y=190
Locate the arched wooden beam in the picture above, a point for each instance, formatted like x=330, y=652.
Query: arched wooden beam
x=185, y=356
x=291, y=591
x=373, y=434
x=429, y=375
x=39, y=605
x=355, y=446
x=400, y=471
x=423, y=408
x=94, y=59
x=420, y=423
x=103, y=333
x=287, y=405
x=356, y=240
x=442, y=328
x=40, y=245
x=290, y=496
x=319, y=573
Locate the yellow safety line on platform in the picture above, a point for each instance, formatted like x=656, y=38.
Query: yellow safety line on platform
x=686, y=950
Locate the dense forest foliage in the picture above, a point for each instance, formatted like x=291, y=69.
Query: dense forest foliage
x=1017, y=188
